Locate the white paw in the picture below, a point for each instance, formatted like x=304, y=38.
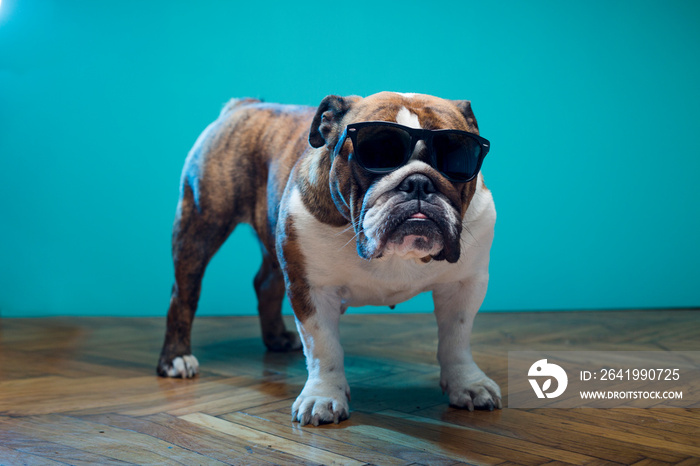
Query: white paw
x=185, y=366
x=470, y=388
x=322, y=403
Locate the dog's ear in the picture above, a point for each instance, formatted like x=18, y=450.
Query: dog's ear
x=328, y=116
x=465, y=106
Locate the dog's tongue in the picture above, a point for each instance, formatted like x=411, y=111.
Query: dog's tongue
x=419, y=215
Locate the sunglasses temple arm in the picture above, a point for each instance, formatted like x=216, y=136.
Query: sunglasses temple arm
x=339, y=145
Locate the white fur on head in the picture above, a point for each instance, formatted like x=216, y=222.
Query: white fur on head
x=407, y=118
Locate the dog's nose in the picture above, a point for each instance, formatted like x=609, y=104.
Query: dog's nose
x=417, y=186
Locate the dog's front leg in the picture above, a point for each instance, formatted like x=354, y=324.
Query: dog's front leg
x=326, y=394
x=456, y=305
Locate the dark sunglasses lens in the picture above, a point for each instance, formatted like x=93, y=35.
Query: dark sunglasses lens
x=381, y=148
x=457, y=155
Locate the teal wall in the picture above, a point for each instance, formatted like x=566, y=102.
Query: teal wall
x=593, y=110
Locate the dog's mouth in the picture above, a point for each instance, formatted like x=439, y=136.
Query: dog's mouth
x=413, y=230
x=418, y=225
x=418, y=236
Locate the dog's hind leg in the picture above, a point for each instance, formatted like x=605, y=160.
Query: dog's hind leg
x=197, y=235
x=269, y=287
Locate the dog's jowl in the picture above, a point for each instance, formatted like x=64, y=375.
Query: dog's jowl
x=360, y=201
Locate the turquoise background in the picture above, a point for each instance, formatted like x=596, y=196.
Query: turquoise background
x=593, y=110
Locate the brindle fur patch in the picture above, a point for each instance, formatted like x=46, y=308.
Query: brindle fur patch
x=236, y=172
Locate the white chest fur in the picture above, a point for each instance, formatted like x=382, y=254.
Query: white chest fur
x=333, y=266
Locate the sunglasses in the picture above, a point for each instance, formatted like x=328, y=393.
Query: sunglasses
x=382, y=147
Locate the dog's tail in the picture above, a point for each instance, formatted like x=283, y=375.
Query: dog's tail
x=238, y=103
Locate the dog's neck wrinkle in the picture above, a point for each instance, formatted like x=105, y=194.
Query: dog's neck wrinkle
x=314, y=188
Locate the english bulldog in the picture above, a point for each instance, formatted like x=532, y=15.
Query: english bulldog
x=360, y=201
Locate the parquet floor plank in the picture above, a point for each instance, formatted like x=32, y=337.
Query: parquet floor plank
x=101, y=440
x=315, y=439
x=413, y=453
x=547, y=429
x=512, y=448
x=473, y=440
x=19, y=456
x=211, y=443
x=258, y=437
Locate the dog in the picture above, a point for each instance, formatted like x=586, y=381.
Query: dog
x=395, y=175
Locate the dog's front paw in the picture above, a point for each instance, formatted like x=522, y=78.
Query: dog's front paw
x=285, y=342
x=185, y=366
x=469, y=388
x=322, y=403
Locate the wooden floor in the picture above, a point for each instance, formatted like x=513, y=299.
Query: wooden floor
x=84, y=391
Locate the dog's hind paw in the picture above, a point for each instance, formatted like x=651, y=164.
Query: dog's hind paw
x=185, y=367
x=283, y=343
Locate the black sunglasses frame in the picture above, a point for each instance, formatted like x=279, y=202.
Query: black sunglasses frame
x=416, y=134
